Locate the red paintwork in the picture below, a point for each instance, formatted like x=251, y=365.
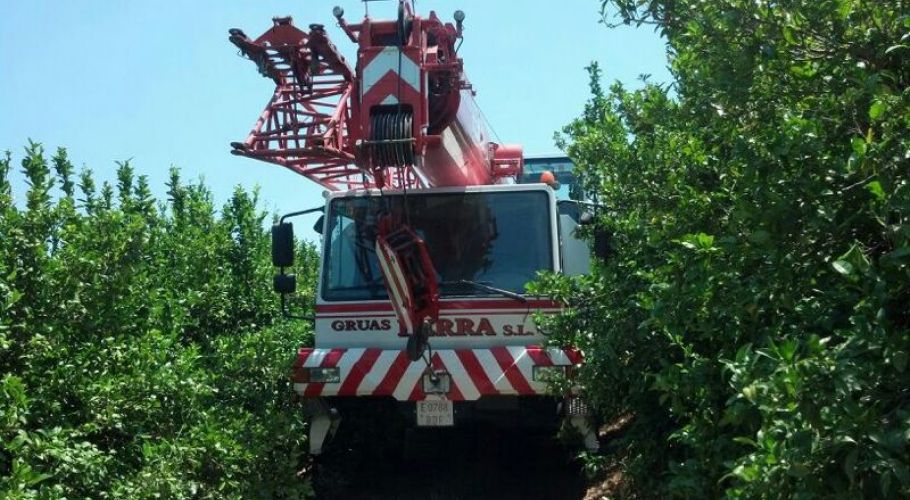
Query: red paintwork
x=393, y=375
x=405, y=255
x=318, y=122
x=444, y=305
x=475, y=371
x=359, y=371
x=507, y=364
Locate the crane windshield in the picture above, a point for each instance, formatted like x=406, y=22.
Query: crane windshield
x=499, y=239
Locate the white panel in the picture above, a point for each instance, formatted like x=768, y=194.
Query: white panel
x=316, y=358
x=377, y=372
x=559, y=357
x=386, y=61
x=459, y=375
x=409, y=380
x=493, y=371
x=344, y=369
x=525, y=366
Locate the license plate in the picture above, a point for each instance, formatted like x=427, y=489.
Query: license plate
x=435, y=413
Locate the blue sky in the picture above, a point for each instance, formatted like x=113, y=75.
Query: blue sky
x=159, y=83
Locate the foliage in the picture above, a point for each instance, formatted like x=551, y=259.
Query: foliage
x=755, y=314
x=139, y=343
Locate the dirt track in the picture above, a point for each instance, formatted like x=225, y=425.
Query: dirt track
x=464, y=463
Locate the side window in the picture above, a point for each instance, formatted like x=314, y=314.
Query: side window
x=350, y=269
x=342, y=273
x=576, y=257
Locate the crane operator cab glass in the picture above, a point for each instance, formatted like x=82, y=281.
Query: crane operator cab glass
x=499, y=239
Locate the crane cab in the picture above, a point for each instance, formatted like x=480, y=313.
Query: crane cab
x=401, y=141
x=485, y=243
x=486, y=354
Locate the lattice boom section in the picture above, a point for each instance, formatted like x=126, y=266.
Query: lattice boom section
x=305, y=126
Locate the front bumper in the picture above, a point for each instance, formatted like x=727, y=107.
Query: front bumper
x=474, y=373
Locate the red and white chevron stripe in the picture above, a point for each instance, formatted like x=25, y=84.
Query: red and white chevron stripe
x=399, y=292
x=505, y=370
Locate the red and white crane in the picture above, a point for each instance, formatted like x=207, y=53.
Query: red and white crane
x=427, y=232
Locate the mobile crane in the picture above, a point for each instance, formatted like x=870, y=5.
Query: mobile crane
x=428, y=235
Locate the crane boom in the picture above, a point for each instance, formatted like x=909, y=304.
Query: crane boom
x=404, y=117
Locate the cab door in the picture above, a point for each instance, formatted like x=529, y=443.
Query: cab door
x=574, y=251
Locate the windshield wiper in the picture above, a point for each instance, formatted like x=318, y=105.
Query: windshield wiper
x=487, y=288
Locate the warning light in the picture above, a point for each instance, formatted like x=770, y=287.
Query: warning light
x=547, y=177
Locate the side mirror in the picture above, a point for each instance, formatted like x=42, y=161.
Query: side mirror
x=283, y=257
x=603, y=243
x=283, y=244
x=319, y=223
x=285, y=283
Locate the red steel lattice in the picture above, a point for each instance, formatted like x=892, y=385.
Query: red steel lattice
x=406, y=119
x=305, y=125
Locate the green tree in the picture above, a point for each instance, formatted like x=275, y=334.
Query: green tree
x=754, y=318
x=140, y=344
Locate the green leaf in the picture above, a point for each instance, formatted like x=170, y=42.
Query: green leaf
x=751, y=393
x=859, y=146
x=876, y=110
x=843, y=267
x=787, y=349
x=789, y=34
x=746, y=441
x=852, y=263
x=34, y=479
x=688, y=244
x=805, y=70
x=875, y=188
x=844, y=9
x=705, y=240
